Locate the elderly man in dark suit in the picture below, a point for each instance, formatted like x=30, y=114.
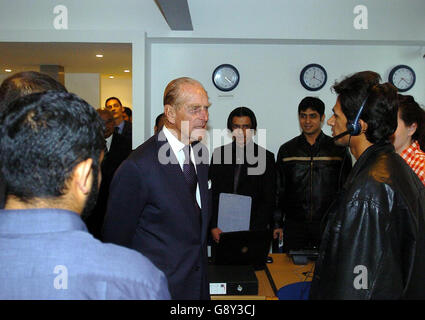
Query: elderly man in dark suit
x=163, y=207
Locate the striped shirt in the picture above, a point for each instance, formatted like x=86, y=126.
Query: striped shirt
x=415, y=158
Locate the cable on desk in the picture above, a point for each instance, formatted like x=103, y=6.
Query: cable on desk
x=272, y=284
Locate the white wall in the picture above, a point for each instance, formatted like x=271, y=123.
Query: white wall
x=85, y=85
x=307, y=19
x=391, y=22
x=269, y=82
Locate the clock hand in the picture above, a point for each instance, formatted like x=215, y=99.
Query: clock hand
x=228, y=79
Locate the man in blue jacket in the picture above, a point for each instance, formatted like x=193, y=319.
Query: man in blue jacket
x=51, y=147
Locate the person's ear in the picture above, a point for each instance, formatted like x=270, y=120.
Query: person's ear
x=363, y=126
x=82, y=177
x=412, y=129
x=170, y=113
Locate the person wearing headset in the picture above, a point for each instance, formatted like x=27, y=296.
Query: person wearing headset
x=373, y=245
x=311, y=170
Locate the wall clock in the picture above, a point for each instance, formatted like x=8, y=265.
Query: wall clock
x=402, y=77
x=313, y=77
x=225, y=77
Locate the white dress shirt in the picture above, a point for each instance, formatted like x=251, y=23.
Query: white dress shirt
x=177, y=148
x=109, y=142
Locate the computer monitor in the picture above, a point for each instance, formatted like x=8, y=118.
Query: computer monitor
x=242, y=248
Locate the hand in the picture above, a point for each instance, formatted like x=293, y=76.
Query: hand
x=278, y=233
x=216, y=234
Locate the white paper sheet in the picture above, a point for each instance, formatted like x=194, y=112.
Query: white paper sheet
x=234, y=212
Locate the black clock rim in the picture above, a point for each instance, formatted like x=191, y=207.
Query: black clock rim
x=305, y=69
x=227, y=65
x=397, y=67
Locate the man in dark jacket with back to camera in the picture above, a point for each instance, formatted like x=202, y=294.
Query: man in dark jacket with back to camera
x=311, y=168
x=373, y=246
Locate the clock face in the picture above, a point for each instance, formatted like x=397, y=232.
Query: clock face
x=225, y=77
x=402, y=77
x=313, y=77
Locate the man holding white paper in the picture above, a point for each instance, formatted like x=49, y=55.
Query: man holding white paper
x=232, y=172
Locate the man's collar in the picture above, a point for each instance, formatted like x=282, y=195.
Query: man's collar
x=120, y=126
x=175, y=143
x=318, y=138
x=28, y=221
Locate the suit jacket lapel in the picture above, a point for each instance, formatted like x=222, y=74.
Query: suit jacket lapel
x=173, y=173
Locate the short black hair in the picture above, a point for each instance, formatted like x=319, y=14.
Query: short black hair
x=128, y=111
x=353, y=91
x=380, y=109
x=23, y=83
x=410, y=113
x=43, y=136
x=380, y=112
x=113, y=98
x=242, y=112
x=312, y=103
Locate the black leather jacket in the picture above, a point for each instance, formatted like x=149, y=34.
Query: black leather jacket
x=373, y=246
x=310, y=176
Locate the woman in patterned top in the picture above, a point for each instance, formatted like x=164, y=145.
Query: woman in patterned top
x=409, y=138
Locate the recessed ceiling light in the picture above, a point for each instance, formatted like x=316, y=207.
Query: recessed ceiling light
x=111, y=77
x=126, y=70
x=99, y=55
x=8, y=70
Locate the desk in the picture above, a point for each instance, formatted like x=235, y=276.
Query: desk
x=283, y=271
x=278, y=274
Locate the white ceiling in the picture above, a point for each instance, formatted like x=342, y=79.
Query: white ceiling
x=237, y=19
x=81, y=57
x=74, y=57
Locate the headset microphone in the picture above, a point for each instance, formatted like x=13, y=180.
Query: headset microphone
x=353, y=128
x=341, y=135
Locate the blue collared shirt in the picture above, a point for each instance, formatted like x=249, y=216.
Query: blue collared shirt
x=48, y=254
x=120, y=127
